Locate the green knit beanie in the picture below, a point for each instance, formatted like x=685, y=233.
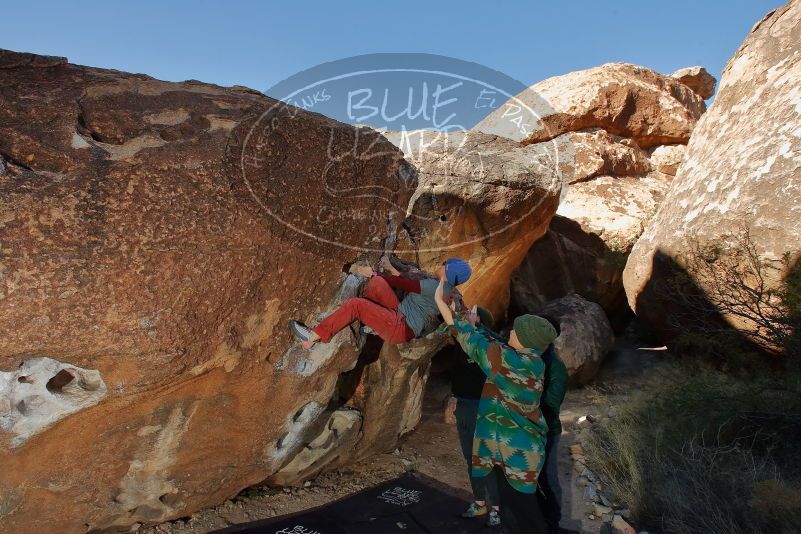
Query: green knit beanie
x=486, y=317
x=534, y=332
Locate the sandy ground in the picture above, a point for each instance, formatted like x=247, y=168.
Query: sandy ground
x=432, y=449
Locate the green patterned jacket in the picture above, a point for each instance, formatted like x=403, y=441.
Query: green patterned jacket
x=510, y=429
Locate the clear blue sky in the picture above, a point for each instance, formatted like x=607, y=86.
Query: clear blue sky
x=257, y=44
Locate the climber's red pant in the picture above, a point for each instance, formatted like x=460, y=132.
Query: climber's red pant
x=378, y=310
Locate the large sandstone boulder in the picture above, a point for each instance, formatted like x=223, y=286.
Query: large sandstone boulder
x=154, y=239
x=622, y=99
x=740, y=173
x=586, y=336
x=616, y=185
x=568, y=260
x=667, y=158
x=697, y=79
x=480, y=197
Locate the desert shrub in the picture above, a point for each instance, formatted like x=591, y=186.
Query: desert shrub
x=696, y=450
x=716, y=285
x=709, y=443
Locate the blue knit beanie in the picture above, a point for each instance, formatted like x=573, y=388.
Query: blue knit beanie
x=457, y=271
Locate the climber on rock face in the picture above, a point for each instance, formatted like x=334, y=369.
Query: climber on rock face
x=379, y=309
x=510, y=433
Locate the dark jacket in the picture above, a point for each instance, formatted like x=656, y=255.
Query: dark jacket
x=554, y=390
x=467, y=378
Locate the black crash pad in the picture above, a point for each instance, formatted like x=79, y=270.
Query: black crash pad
x=411, y=504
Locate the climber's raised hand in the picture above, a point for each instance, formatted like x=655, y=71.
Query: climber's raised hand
x=472, y=316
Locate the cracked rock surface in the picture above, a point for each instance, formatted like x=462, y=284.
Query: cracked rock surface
x=148, y=251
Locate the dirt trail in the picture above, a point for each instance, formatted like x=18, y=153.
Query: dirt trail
x=432, y=449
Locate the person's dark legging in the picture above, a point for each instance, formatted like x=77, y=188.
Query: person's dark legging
x=520, y=512
x=484, y=488
x=549, y=483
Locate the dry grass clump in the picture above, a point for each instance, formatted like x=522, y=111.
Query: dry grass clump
x=701, y=451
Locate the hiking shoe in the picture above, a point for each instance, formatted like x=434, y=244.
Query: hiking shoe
x=494, y=518
x=301, y=331
x=474, y=510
